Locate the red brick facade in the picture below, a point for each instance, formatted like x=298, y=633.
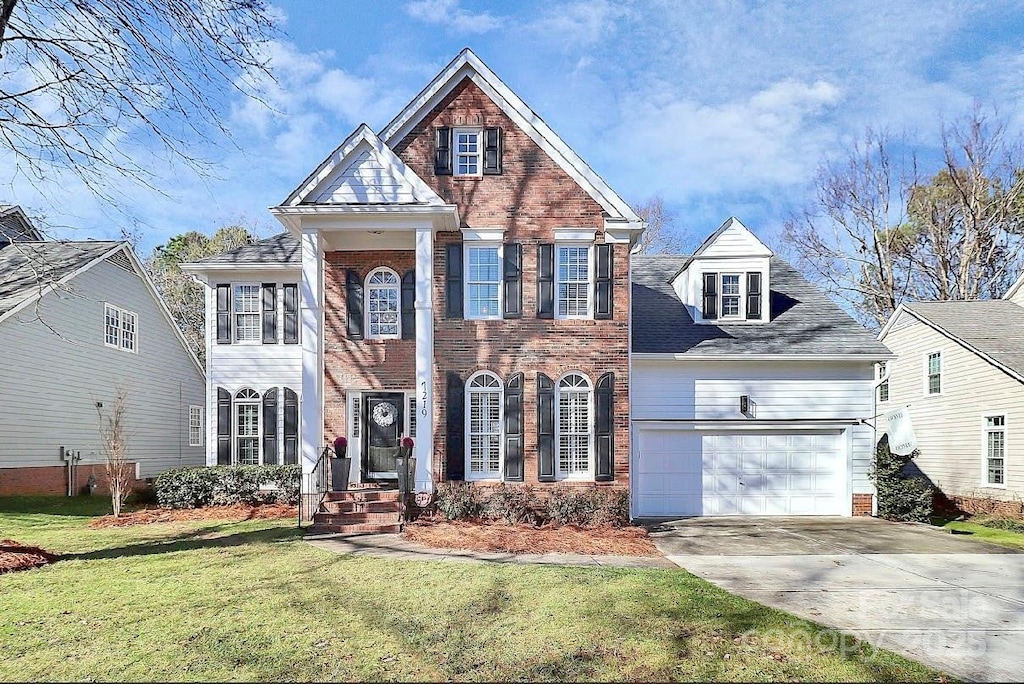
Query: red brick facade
x=862, y=504
x=531, y=198
x=54, y=479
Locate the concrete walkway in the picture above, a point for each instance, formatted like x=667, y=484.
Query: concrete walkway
x=394, y=546
x=954, y=604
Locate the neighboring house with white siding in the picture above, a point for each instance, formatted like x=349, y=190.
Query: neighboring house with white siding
x=959, y=368
x=751, y=392
x=253, y=356
x=78, y=321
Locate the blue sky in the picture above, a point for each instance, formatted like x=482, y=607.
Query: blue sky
x=723, y=108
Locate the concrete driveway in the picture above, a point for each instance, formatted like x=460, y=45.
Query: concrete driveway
x=953, y=603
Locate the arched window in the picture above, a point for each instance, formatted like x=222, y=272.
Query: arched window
x=383, y=305
x=483, y=427
x=573, y=425
x=247, y=427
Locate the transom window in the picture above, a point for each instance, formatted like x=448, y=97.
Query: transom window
x=573, y=275
x=483, y=281
x=883, y=386
x=483, y=426
x=995, y=450
x=383, y=305
x=731, y=295
x=467, y=152
x=573, y=426
x=247, y=427
x=247, y=313
x=934, y=373
x=195, y=426
x=119, y=328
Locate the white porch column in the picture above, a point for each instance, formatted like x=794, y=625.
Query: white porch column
x=311, y=405
x=424, y=450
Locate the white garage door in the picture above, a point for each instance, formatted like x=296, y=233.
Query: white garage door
x=682, y=472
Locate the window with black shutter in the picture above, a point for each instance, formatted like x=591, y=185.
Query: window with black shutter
x=453, y=280
x=545, y=428
x=291, y=313
x=514, y=466
x=545, y=281
x=604, y=400
x=409, y=305
x=492, y=151
x=604, y=295
x=224, y=314
x=269, y=313
x=354, y=304
x=754, y=296
x=710, y=308
x=291, y=426
x=223, y=426
x=443, y=151
x=270, y=427
x=513, y=280
x=455, y=442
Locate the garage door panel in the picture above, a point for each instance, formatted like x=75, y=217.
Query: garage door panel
x=684, y=472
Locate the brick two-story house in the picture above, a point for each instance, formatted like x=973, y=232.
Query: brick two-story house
x=461, y=277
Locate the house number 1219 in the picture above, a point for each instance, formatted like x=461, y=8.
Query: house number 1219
x=423, y=399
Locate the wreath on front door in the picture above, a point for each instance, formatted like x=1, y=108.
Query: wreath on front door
x=384, y=414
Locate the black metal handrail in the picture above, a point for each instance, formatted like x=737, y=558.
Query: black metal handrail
x=318, y=484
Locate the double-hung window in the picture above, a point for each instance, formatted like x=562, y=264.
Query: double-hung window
x=995, y=451
x=483, y=281
x=483, y=426
x=573, y=271
x=933, y=373
x=247, y=313
x=573, y=425
x=383, y=305
x=120, y=328
x=883, y=385
x=467, y=152
x=732, y=295
x=195, y=426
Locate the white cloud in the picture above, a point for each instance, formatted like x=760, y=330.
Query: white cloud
x=451, y=14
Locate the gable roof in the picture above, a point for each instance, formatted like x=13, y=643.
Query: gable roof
x=280, y=249
x=16, y=226
x=467, y=65
x=363, y=171
x=992, y=329
x=804, y=321
x=28, y=269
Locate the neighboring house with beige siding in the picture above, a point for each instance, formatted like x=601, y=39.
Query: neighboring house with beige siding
x=78, y=321
x=960, y=370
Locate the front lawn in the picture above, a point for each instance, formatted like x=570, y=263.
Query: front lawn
x=1014, y=540
x=215, y=600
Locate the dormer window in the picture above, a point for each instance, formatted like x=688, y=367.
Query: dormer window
x=732, y=296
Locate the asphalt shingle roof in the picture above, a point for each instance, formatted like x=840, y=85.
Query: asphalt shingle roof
x=803, y=319
x=993, y=327
x=26, y=266
x=282, y=248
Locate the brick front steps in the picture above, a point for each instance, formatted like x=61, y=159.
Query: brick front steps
x=359, y=511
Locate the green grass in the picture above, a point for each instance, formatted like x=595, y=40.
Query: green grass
x=251, y=601
x=1014, y=540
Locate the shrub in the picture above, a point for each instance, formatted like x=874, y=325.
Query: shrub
x=902, y=498
x=512, y=503
x=614, y=508
x=458, y=500
x=1002, y=523
x=205, y=486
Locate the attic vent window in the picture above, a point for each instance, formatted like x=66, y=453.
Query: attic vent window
x=121, y=260
x=467, y=152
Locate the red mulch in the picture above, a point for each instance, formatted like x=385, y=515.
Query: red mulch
x=235, y=512
x=523, y=538
x=15, y=556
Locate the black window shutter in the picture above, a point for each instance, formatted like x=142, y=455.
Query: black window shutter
x=223, y=426
x=442, y=151
x=513, y=277
x=754, y=296
x=605, y=408
x=291, y=426
x=514, y=470
x=545, y=428
x=354, y=304
x=291, y=313
x=269, y=313
x=492, y=151
x=604, y=294
x=270, y=427
x=453, y=280
x=455, y=400
x=710, y=311
x=545, y=281
x=223, y=314
x=409, y=305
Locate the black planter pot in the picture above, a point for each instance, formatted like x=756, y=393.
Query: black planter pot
x=340, y=468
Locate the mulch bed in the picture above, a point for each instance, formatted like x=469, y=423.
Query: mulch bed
x=235, y=512
x=15, y=556
x=523, y=538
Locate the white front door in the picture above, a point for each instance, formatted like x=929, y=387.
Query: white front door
x=688, y=473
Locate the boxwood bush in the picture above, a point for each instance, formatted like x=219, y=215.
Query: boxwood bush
x=218, y=485
x=561, y=505
x=900, y=497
